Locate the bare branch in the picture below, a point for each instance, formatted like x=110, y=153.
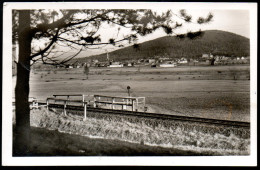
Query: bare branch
x=65, y=61
x=61, y=22
x=86, y=44
x=53, y=62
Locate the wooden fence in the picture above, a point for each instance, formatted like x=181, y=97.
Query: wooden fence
x=122, y=102
x=109, y=102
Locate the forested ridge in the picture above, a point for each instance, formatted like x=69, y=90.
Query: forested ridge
x=212, y=41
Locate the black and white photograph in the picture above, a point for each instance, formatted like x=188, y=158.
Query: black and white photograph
x=129, y=83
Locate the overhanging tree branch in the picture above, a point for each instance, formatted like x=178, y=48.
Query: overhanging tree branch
x=89, y=44
x=65, y=61
x=54, y=39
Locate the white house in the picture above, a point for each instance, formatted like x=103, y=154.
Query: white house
x=129, y=64
x=116, y=64
x=168, y=64
x=207, y=56
x=151, y=60
x=183, y=61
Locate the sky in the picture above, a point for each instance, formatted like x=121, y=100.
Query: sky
x=231, y=17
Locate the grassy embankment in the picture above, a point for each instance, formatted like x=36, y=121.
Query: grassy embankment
x=122, y=135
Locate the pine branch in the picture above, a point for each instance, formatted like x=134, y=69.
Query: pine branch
x=54, y=39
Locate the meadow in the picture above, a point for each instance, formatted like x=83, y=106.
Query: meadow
x=221, y=92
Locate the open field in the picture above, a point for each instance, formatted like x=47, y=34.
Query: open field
x=220, y=92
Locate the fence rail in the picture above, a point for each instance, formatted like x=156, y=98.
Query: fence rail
x=160, y=116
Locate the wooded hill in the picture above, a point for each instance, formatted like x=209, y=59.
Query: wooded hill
x=212, y=41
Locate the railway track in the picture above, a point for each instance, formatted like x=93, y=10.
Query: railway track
x=217, y=122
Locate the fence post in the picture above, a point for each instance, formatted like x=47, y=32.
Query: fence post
x=95, y=102
x=83, y=96
x=85, y=112
x=65, y=103
x=36, y=104
x=55, y=98
x=132, y=104
x=137, y=103
x=113, y=100
x=47, y=102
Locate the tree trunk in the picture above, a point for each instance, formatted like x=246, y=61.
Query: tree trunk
x=21, y=145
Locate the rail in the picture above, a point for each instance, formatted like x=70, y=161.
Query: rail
x=199, y=120
x=85, y=106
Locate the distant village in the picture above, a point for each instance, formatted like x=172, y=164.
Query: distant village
x=155, y=61
x=205, y=59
